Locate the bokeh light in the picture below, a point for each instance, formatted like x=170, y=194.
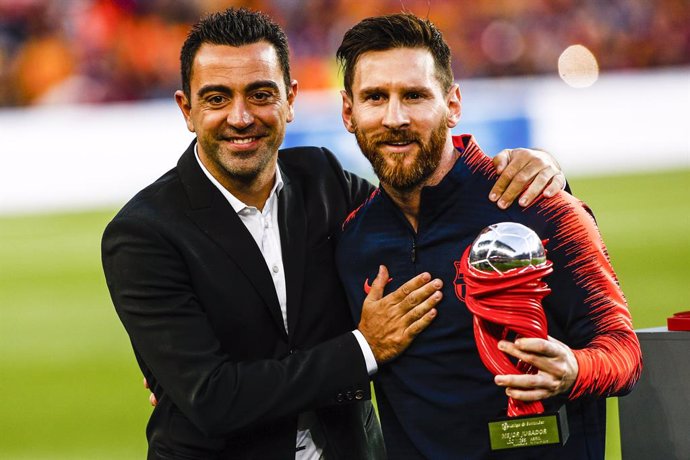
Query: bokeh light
x=578, y=67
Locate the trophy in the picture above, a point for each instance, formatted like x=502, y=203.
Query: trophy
x=502, y=272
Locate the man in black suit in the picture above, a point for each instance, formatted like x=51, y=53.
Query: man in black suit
x=222, y=271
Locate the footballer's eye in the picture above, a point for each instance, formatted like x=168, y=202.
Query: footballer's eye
x=374, y=97
x=417, y=95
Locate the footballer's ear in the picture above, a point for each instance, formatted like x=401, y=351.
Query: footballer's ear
x=185, y=106
x=347, y=111
x=454, y=104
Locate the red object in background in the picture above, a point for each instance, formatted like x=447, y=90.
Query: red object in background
x=679, y=321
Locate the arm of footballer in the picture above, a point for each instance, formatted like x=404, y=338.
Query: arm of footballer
x=556, y=364
x=527, y=173
x=390, y=324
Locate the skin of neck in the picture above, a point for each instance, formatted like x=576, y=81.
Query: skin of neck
x=409, y=200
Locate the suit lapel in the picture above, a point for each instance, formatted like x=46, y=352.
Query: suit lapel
x=217, y=219
x=292, y=220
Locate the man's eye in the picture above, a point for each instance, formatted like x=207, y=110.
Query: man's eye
x=215, y=100
x=374, y=97
x=261, y=96
x=414, y=96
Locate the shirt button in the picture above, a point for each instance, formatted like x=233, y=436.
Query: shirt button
x=275, y=269
x=359, y=395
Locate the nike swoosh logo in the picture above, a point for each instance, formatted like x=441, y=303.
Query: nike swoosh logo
x=367, y=286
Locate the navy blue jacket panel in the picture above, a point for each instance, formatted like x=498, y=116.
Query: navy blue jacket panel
x=435, y=400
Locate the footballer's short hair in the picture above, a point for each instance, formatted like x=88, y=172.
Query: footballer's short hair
x=233, y=27
x=401, y=30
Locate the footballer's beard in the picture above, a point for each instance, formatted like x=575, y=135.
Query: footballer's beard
x=398, y=175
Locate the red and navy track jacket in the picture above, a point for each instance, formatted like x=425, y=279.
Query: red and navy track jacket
x=435, y=400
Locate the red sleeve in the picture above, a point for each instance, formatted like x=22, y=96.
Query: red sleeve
x=611, y=362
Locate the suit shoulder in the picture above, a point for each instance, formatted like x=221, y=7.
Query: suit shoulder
x=358, y=213
x=153, y=199
x=310, y=160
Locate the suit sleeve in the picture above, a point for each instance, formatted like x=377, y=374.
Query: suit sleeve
x=152, y=292
x=589, y=303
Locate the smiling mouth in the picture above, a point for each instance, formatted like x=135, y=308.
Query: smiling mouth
x=397, y=144
x=242, y=140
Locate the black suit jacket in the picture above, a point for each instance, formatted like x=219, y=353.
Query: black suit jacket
x=196, y=298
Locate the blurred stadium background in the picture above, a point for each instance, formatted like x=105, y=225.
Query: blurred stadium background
x=87, y=118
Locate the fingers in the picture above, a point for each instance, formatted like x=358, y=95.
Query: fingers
x=546, y=180
x=556, y=185
x=527, y=387
x=390, y=323
x=421, y=299
x=421, y=323
x=410, y=289
x=518, y=174
x=498, y=190
x=536, y=352
x=418, y=318
x=501, y=160
x=152, y=398
x=556, y=364
x=527, y=348
x=420, y=302
x=528, y=173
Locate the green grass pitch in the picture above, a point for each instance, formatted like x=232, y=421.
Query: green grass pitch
x=70, y=386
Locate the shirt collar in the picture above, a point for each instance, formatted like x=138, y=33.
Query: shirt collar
x=237, y=204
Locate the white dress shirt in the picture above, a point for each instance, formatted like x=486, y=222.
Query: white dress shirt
x=263, y=226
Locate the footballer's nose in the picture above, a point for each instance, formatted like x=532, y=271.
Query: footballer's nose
x=395, y=116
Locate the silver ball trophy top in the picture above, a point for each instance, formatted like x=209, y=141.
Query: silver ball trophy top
x=505, y=246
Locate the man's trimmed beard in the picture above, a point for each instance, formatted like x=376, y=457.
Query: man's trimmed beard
x=398, y=176
x=226, y=160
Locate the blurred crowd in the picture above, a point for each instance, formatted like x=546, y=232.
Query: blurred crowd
x=92, y=51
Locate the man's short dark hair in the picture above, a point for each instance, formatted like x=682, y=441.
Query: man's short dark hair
x=402, y=30
x=233, y=27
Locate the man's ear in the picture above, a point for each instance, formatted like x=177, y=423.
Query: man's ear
x=186, y=107
x=347, y=111
x=291, y=95
x=454, y=102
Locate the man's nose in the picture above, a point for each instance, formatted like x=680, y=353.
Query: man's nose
x=395, y=116
x=239, y=115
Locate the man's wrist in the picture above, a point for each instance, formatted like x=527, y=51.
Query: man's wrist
x=369, y=358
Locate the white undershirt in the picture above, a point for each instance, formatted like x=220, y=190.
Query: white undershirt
x=263, y=226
